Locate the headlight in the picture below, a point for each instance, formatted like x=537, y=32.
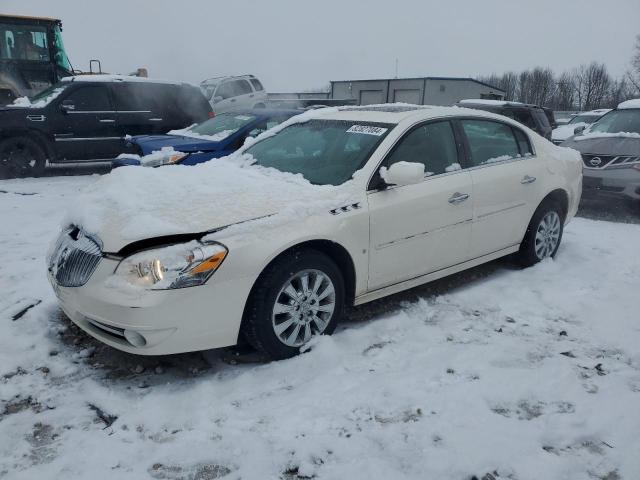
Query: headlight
x=176, y=266
x=164, y=156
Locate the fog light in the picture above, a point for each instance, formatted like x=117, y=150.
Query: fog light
x=134, y=338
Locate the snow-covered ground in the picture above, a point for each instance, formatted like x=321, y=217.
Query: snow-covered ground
x=521, y=374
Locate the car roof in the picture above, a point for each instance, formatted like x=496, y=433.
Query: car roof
x=265, y=112
x=495, y=103
x=216, y=80
x=395, y=113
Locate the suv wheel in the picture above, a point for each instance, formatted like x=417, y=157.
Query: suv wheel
x=298, y=296
x=543, y=235
x=21, y=157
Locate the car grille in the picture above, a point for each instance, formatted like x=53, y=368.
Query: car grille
x=74, y=258
x=598, y=162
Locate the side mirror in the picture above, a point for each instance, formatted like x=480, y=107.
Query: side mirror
x=578, y=130
x=67, y=106
x=217, y=99
x=403, y=173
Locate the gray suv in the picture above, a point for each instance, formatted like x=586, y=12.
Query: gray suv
x=610, y=151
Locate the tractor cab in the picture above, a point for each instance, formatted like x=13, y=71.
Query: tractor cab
x=32, y=56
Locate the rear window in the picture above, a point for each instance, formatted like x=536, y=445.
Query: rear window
x=256, y=84
x=542, y=117
x=490, y=141
x=193, y=103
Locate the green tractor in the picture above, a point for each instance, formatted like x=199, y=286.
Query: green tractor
x=32, y=56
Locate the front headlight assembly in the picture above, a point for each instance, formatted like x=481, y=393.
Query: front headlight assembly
x=176, y=266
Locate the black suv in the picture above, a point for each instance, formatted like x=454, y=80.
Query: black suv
x=532, y=116
x=87, y=118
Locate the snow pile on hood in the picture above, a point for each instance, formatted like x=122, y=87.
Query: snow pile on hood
x=24, y=102
x=635, y=103
x=135, y=203
x=565, y=131
x=592, y=135
x=187, y=132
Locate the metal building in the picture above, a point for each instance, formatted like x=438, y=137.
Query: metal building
x=421, y=91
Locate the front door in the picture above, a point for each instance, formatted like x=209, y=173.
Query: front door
x=421, y=228
x=88, y=129
x=507, y=181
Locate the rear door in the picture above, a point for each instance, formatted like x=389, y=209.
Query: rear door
x=507, y=181
x=88, y=130
x=421, y=228
x=141, y=107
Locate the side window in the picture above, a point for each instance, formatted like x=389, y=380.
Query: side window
x=225, y=90
x=256, y=84
x=432, y=144
x=91, y=99
x=242, y=87
x=523, y=143
x=490, y=141
x=141, y=97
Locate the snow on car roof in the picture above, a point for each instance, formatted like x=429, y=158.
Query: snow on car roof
x=385, y=107
x=118, y=78
x=635, y=103
x=482, y=101
x=598, y=111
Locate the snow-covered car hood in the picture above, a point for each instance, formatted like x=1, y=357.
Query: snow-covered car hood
x=565, y=131
x=152, y=143
x=137, y=203
x=604, y=145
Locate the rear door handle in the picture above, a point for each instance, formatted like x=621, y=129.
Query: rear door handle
x=107, y=120
x=527, y=179
x=458, y=198
x=155, y=119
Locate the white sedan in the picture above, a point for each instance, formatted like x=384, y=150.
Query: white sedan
x=334, y=208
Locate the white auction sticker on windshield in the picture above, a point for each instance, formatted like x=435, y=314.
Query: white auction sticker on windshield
x=367, y=130
x=242, y=117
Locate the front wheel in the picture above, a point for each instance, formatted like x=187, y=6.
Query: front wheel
x=21, y=157
x=543, y=235
x=298, y=296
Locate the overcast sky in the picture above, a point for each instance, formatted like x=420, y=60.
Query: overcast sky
x=295, y=45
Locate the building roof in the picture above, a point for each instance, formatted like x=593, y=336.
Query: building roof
x=456, y=79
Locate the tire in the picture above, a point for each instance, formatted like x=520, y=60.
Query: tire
x=21, y=157
x=271, y=308
x=544, y=234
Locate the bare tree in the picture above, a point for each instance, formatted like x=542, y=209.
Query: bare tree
x=565, y=92
x=634, y=73
x=592, y=84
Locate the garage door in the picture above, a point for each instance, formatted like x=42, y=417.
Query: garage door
x=371, y=97
x=407, y=96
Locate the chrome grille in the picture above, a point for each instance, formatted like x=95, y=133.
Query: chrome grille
x=74, y=258
x=598, y=162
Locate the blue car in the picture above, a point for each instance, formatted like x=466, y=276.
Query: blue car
x=217, y=137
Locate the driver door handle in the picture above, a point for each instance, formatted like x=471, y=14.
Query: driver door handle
x=458, y=198
x=527, y=179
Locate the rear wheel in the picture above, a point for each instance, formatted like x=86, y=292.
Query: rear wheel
x=21, y=157
x=298, y=296
x=543, y=235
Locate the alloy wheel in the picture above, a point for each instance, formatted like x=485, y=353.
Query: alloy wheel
x=547, y=235
x=303, y=307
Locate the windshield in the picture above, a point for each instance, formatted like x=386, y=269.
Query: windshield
x=325, y=152
x=618, y=121
x=584, y=119
x=23, y=42
x=208, y=88
x=223, y=125
x=60, y=53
